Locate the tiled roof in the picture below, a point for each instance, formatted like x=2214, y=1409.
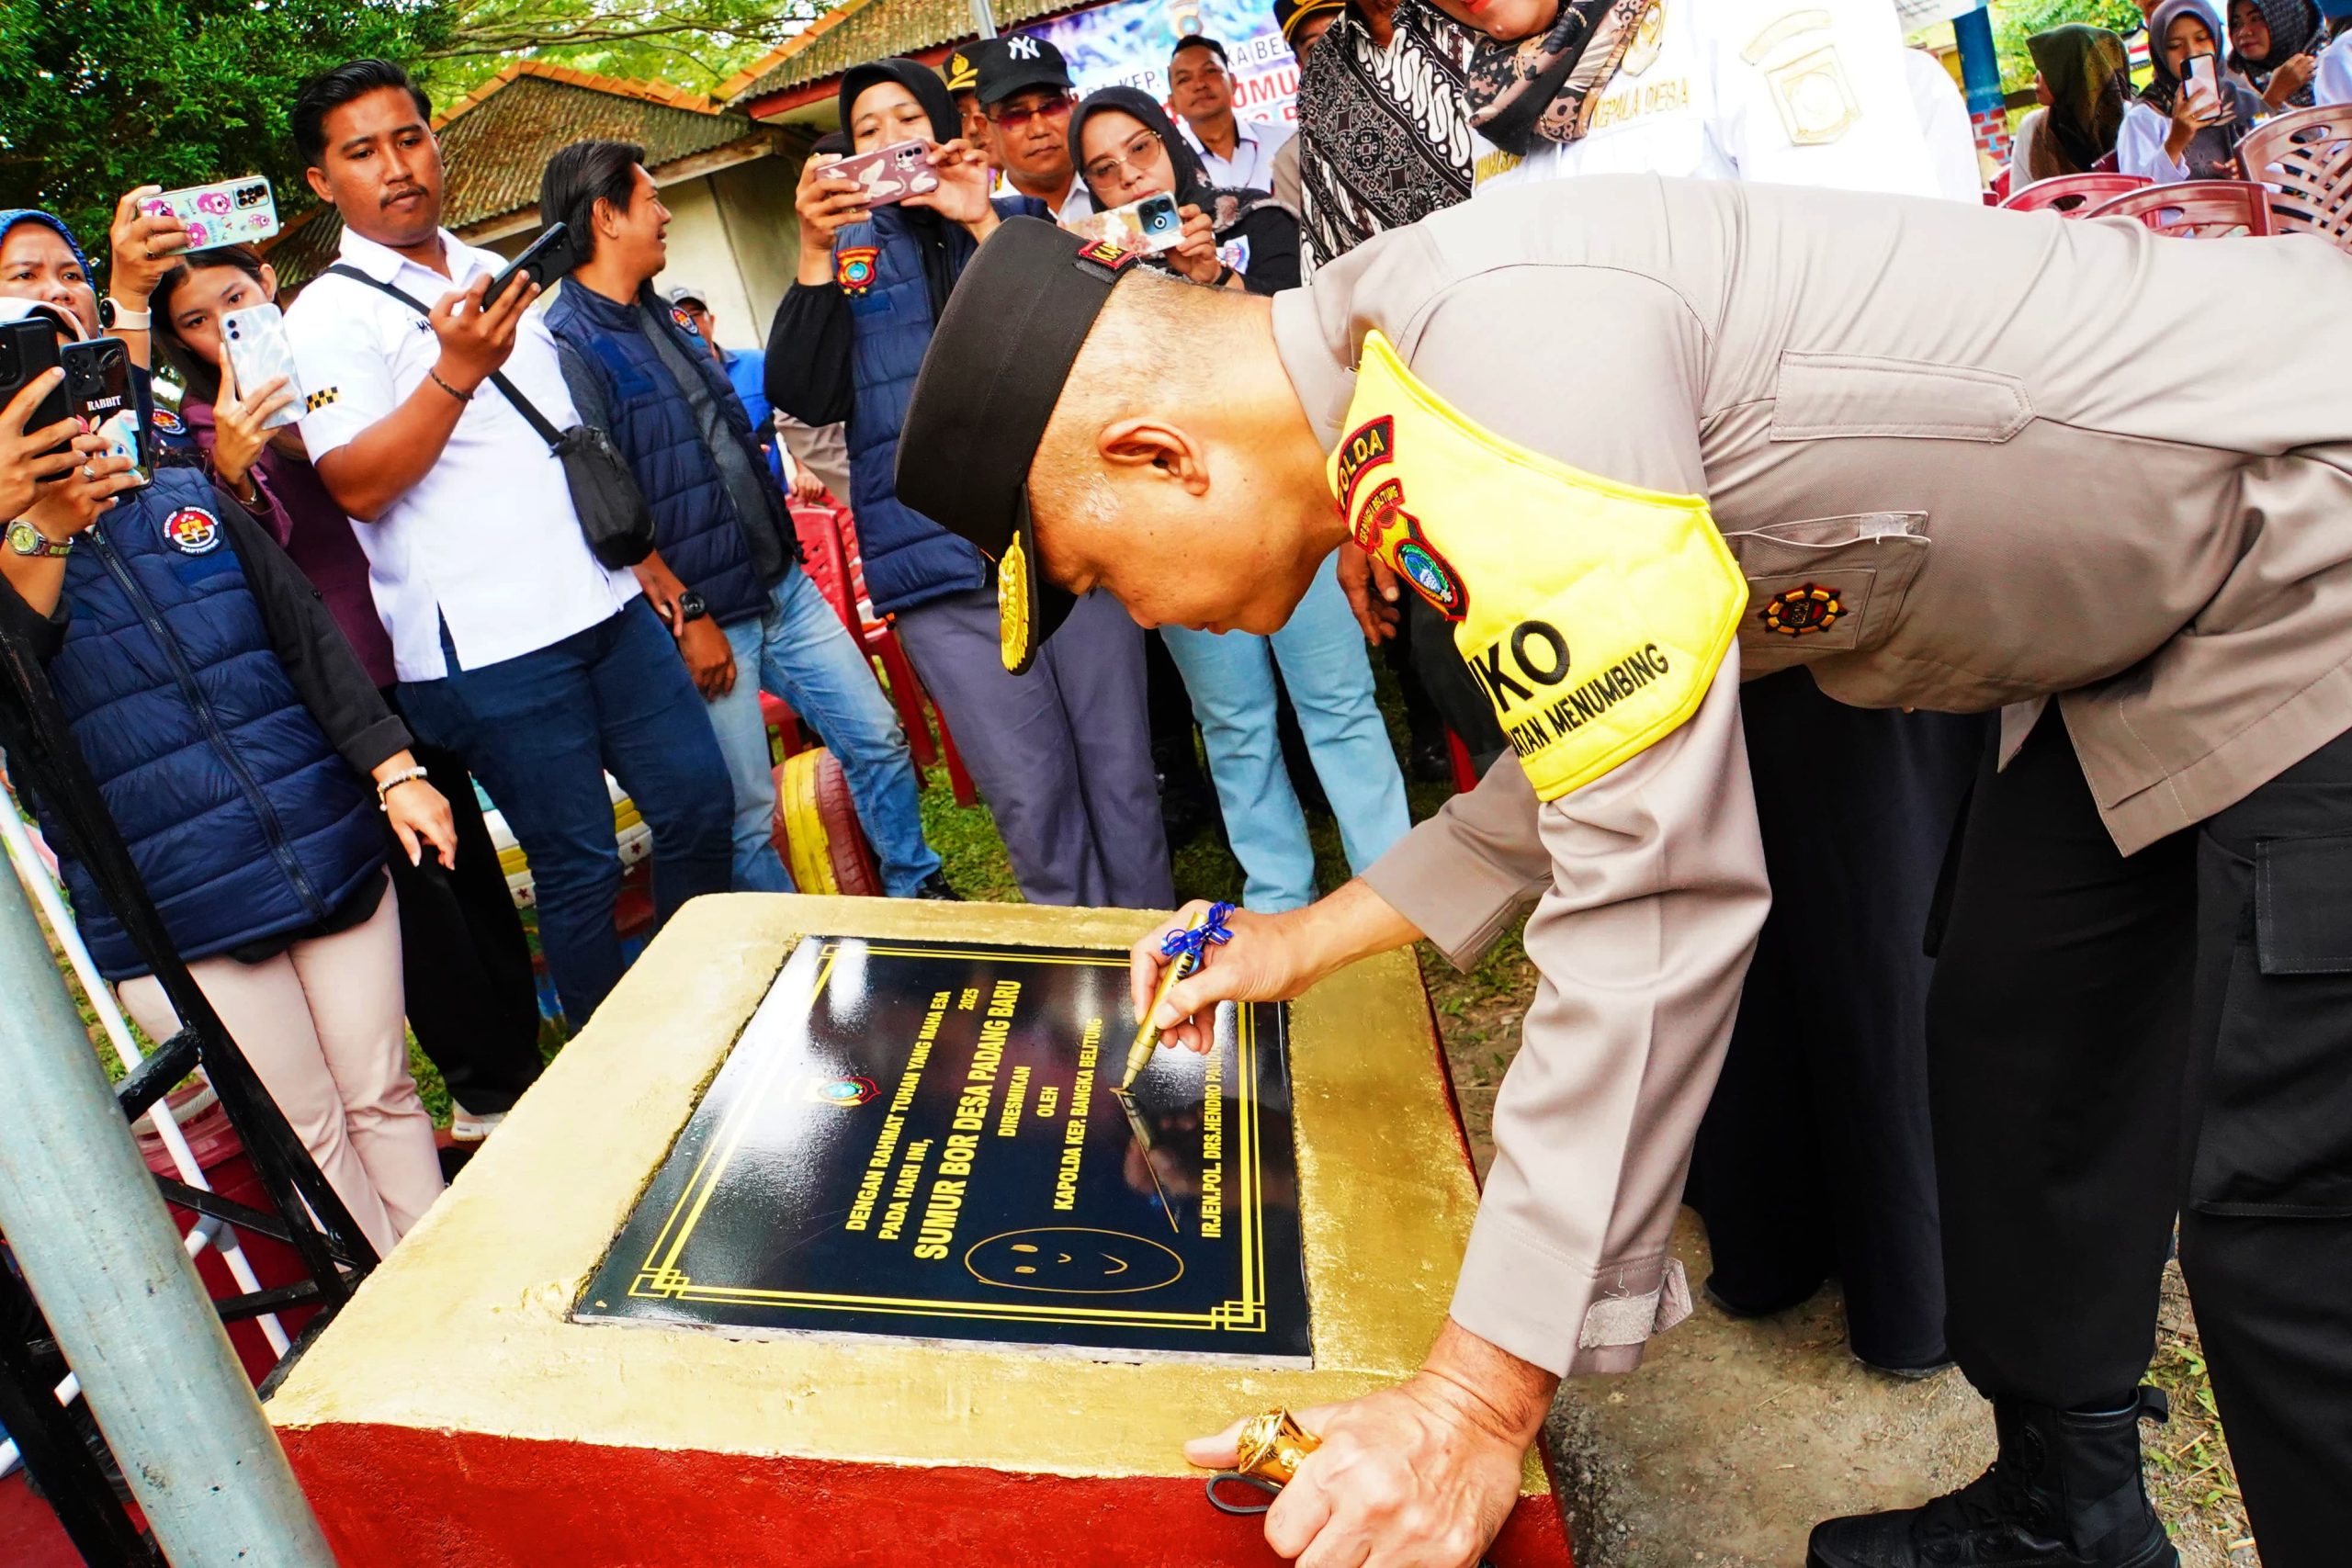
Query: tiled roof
x=859, y=31
x=497, y=139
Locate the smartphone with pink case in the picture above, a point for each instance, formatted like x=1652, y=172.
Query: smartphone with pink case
x=889, y=175
x=232, y=212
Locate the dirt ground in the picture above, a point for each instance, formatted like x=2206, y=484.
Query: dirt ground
x=1736, y=1436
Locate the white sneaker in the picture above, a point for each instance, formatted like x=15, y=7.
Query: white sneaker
x=468, y=1128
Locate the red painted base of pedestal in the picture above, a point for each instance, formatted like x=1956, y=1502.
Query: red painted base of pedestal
x=395, y=1497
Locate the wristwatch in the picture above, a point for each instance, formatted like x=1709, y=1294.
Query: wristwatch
x=26, y=540
x=113, y=314
x=692, y=606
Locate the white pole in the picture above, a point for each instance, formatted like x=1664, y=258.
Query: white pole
x=983, y=21
x=99, y=1252
x=33, y=871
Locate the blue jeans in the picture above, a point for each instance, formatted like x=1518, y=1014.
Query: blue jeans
x=1230, y=677
x=540, y=731
x=799, y=651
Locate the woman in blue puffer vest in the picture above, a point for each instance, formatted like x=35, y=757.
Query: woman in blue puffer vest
x=234, y=736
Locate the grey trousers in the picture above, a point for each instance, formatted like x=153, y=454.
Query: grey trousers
x=1062, y=755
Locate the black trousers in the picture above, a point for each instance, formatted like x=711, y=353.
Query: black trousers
x=1814, y=1157
x=466, y=965
x=2113, y=1041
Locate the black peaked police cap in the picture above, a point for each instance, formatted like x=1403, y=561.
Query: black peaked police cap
x=989, y=380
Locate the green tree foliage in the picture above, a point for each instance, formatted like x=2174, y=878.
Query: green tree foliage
x=693, y=44
x=2014, y=21
x=98, y=97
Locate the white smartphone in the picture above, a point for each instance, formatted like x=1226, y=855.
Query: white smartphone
x=2202, y=76
x=254, y=341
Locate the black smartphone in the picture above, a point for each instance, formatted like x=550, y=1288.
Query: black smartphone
x=26, y=348
x=550, y=256
x=98, y=388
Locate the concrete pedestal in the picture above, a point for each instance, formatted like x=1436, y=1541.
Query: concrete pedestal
x=457, y=1413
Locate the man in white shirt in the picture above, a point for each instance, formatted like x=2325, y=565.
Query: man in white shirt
x=515, y=647
x=1239, y=152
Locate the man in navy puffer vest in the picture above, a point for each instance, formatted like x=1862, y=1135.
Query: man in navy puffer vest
x=1063, y=753
x=723, y=576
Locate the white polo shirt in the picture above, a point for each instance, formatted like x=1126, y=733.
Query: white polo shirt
x=1251, y=167
x=488, y=540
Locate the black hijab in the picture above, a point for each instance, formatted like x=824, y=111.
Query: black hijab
x=934, y=235
x=1225, y=205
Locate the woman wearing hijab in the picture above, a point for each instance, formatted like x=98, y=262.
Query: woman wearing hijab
x=2083, y=76
x=1062, y=752
x=2276, y=45
x=1126, y=148
x=2172, y=134
x=250, y=764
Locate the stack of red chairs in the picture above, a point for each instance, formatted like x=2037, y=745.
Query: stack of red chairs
x=829, y=555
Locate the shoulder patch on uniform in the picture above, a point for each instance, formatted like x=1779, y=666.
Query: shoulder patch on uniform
x=167, y=422
x=320, y=399
x=684, y=320
x=192, y=531
x=1108, y=255
x=854, y=267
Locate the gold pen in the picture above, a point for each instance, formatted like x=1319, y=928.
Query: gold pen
x=1148, y=1033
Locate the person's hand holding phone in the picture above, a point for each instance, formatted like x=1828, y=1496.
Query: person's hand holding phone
x=825, y=202
x=30, y=458
x=145, y=245
x=1194, y=256
x=963, y=193
x=1371, y=589
x=475, y=342
x=2291, y=77
x=67, y=507
x=240, y=426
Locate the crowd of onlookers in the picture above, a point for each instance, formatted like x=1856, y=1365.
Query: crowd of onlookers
x=339, y=602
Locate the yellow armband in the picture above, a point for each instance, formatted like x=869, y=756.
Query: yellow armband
x=1593, y=613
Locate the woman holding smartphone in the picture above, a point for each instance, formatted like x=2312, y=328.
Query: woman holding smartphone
x=468, y=967
x=250, y=766
x=1126, y=148
x=2192, y=114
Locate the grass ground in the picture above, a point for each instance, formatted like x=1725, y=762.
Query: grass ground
x=1478, y=1014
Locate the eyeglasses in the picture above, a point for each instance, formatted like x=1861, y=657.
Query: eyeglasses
x=1013, y=119
x=1102, y=170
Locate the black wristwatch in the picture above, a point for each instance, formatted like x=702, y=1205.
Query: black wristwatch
x=692, y=606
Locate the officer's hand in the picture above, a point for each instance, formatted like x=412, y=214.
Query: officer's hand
x=1372, y=591
x=1262, y=963
x=1406, y=1478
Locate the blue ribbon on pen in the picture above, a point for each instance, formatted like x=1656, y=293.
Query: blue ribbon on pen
x=1190, y=947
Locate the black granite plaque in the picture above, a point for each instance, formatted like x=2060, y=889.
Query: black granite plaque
x=923, y=1141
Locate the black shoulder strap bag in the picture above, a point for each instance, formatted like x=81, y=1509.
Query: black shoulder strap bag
x=613, y=514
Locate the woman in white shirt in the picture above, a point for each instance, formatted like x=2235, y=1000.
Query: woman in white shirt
x=2173, y=133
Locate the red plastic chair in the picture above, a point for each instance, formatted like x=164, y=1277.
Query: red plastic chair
x=829, y=555
x=2306, y=160
x=2072, y=195
x=2195, y=209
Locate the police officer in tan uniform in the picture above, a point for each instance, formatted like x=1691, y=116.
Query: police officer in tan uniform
x=1636, y=438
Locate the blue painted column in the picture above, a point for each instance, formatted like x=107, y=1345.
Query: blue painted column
x=1979, y=75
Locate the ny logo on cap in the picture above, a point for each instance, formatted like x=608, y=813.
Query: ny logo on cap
x=1021, y=49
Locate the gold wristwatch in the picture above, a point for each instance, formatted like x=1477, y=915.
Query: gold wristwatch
x=26, y=540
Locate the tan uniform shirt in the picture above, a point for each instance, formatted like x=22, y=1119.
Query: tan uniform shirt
x=2032, y=466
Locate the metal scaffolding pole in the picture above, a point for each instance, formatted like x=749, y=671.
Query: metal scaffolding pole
x=983, y=23
x=90, y=1232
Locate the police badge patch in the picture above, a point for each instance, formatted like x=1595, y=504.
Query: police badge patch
x=192, y=531
x=854, y=267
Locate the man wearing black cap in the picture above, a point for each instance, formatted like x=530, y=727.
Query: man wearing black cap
x=1634, y=439
x=1023, y=89
x=962, y=74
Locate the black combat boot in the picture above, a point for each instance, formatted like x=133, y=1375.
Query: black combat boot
x=2064, y=1493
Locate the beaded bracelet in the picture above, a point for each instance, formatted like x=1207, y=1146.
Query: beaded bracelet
x=384, y=787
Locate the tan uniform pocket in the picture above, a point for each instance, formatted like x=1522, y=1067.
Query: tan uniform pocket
x=1824, y=584
x=1829, y=396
